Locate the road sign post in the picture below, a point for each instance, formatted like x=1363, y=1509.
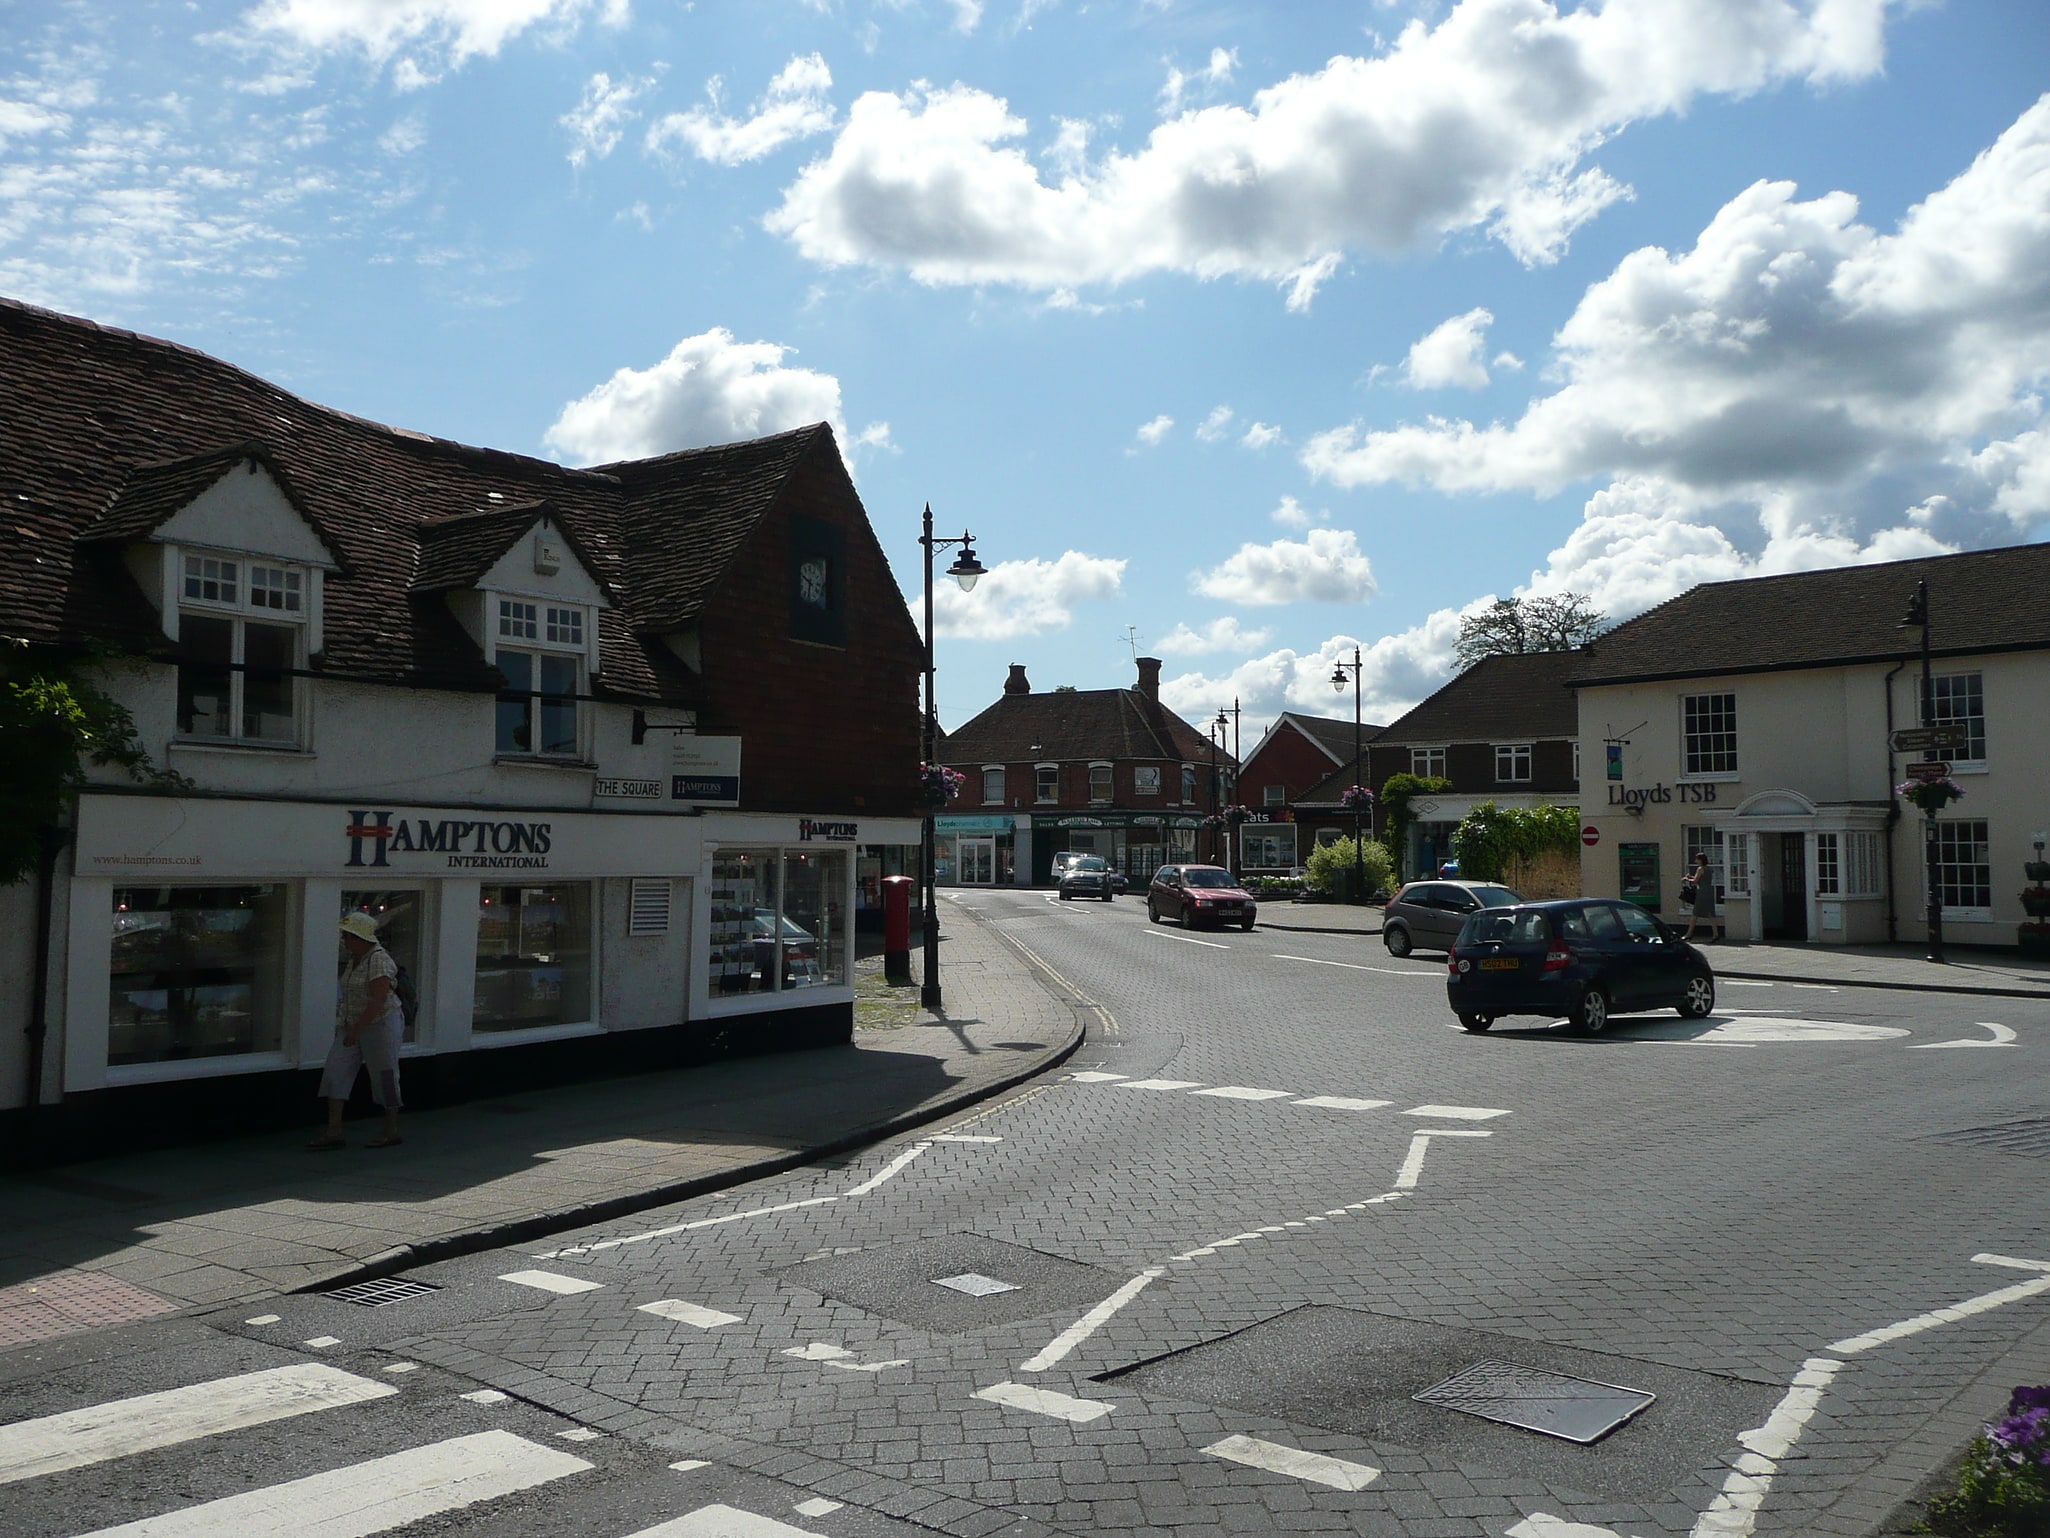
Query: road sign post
x=1928, y=771
x=1928, y=739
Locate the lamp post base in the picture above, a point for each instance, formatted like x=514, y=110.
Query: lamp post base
x=929, y=995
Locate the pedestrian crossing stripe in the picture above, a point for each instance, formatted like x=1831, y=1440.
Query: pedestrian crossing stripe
x=724, y=1522
x=75, y=1439
x=1318, y=1468
x=375, y=1496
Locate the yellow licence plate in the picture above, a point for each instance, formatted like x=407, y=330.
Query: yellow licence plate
x=1500, y=964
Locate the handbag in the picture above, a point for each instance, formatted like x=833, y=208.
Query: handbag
x=1686, y=892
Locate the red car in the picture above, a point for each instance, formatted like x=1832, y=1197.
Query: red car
x=1199, y=894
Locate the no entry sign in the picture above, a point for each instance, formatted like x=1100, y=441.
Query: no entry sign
x=1590, y=836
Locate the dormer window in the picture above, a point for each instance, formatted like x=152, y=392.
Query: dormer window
x=543, y=667
x=242, y=630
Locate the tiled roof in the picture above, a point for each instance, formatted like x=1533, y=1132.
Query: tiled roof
x=456, y=552
x=107, y=433
x=1521, y=697
x=1980, y=601
x=1334, y=737
x=1078, y=724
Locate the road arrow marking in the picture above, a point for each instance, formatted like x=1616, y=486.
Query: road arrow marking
x=2003, y=1036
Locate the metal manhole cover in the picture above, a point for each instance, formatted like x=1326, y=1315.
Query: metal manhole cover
x=382, y=1292
x=1574, y=1409
x=2030, y=1137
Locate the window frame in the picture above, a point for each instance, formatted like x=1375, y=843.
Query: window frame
x=1046, y=784
x=1978, y=840
x=1102, y=781
x=234, y=602
x=542, y=629
x=1943, y=690
x=992, y=774
x=1421, y=760
x=1703, y=756
x=1517, y=753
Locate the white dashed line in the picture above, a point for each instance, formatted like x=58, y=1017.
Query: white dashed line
x=890, y=1170
x=682, y=1228
x=1238, y=1092
x=1093, y=1077
x=486, y=1396
x=1456, y=1112
x=1213, y=945
x=263, y=1319
x=321, y=1342
x=1040, y=1401
x=965, y=1137
x=817, y=1506
x=551, y=1281
x=1318, y=1468
x=1353, y=966
x=688, y=1313
x=1342, y=1103
x=1088, y=1324
x=1161, y=1084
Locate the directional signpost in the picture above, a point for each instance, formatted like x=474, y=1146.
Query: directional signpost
x=1928, y=739
x=1928, y=770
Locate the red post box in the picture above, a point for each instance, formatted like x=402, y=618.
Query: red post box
x=897, y=930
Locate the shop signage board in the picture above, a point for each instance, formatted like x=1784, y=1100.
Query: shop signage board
x=1928, y=739
x=626, y=790
x=705, y=771
x=1927, y=770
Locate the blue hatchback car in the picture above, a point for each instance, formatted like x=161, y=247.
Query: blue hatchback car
x=1583, y=960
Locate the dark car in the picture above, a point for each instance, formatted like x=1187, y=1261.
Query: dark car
x=1089, y=876
x=1582, y=960
x=1199, y=894
x=1426, y=915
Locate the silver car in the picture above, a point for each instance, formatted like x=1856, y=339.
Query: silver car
x=1426, y=915
x=1089, y=876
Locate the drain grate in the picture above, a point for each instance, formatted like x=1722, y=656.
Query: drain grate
x=383, y=1292
x=2029, y=1138
x=1573, y=1409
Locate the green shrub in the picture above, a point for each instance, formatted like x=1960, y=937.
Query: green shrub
x=1331, y=866
x=1491, y=840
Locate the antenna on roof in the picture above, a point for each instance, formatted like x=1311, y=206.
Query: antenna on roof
x=1132, y=640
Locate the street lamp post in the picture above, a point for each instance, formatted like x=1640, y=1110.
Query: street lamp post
x=1359, y=854
x=1216, y=804
x=1918, y=618
x=965, y=570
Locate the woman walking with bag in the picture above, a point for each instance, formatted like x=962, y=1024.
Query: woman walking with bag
x=370, y=1023
x=1698, y=892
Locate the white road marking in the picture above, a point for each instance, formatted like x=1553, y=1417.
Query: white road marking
x=321, y=1342
x=1542, y=1524
x=551, y=1281
x=1956, y=1311
x=817, y=1506
x=1040, y=1401
x=1456, y=1112
x=2010, y=1261
x=370, y=1497
x=684, y=1466
x=1769, y=1028
x=722, y=1522
x=1205, y=1250
x=1160, y=1084
x=1238, y=1092
x=263, y=1319
x=50, y=1444
x=1318, y=1468
x=2003, y=1036
x=1214, y=945
x=486, y=1396
x=888, y=1171
x=681, y=1228
x=1092, y=1077
x=688, y=1313
x=1413, y=1166
x=902, y=1361
x=1342, y=1103
x=398, y=1367
x=579, y=1434
x=817, y=1351
x=965, y=1137
x=975, y=1284
x=1734, y=1511
x=1738, y=982
x=1088, y=1324
x=1353, y=966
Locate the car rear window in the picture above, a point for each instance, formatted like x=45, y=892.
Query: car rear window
x=1603, y=923
x=1527, y=928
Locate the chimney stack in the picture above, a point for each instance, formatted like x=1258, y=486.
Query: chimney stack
x=1149, y=678
x=1017, y=683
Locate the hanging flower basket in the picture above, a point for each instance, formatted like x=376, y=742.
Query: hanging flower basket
x=1929, y=795
x=938, y=785
x=1212, y=823
x=1357, y=798
x=1235, y=815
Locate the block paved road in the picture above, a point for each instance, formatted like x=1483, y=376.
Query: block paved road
x=1187, y=1284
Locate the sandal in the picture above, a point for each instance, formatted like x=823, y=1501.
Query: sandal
x=385, y=1142
x=323, y=1144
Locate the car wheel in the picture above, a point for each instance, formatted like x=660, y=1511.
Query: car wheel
x=1700, y=999
x=1247, y=926
x=1064, y=897
x=1396, y=938
x=1183, y=918
x=1591, y=1011
x=1107, y=896
x=1476, y=1022
x=1152, y=912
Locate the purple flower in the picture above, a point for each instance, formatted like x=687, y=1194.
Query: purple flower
x=2029, y=1399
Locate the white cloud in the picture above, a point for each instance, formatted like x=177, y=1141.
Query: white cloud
x=1326, y=567
x=597, y=121
x=967, y=15
x=710, y=389
x=1220, y=635
x=1291, y=514
x=1481, y=121
x=421, y=39
x=1396, y=672
x=1223, y=63
x=1154, y=432
x=1214, y=426
x=1019, y=598
x=1260, y=436
x=1450, y=355
x=793, y=107
x=405, y=137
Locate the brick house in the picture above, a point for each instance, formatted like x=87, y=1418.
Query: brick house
x=559, y=730
x=1105, y=771
x=1506, y=730
x=1295, y=755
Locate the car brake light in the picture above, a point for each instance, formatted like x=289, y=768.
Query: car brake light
x=1452, y=959
x=1558, y=960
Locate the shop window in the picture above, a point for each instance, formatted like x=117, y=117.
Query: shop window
x=1428, y=763
x=1046, y=783
x=1959, y=699
x=1737, y=860
x=1964, y=873
x=1708, y=733
x=779, y=920
x=1267, y=846
x=533, y=956
x=1828, y=866
x=1099, y=782
x=1861, y=865
x=236, y=672
x=399, y=928
x=992, y=787
x=1512, y=763
x=1146, y=780
x=197, y=972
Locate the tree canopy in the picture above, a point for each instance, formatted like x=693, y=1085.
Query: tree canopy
x=1554, y=622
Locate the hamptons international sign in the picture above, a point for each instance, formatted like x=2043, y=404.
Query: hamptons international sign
x=705, y=771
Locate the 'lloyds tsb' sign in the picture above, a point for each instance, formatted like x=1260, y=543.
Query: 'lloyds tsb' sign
x=468, y=843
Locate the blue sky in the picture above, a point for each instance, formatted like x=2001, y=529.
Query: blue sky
x=1262, y=329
